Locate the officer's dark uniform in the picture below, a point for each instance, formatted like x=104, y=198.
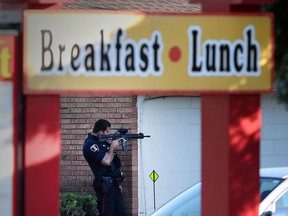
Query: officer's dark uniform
x=107, y=178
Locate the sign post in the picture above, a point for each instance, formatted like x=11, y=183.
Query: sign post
x=137, y=53
x=154, y=176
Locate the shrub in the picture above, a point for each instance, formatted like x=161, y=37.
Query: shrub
x=72, y=204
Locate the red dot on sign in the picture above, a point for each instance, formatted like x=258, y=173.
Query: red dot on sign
x=175, y=53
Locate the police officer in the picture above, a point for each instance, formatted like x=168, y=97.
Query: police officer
x=105, y=165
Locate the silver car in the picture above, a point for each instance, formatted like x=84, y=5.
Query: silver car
x=273, y=191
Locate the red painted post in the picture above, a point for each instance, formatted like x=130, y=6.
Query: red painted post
x=231, y=127
x=42, y=155
x=42, y=145
x=230, y=155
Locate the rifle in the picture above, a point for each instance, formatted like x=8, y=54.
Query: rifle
x=122, y=133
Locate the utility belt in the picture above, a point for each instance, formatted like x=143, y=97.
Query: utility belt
x=112, y=180
x=109, y=181
x=105, y=182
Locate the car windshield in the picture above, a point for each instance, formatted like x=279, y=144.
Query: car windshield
x=189, y=202
x=267, y=185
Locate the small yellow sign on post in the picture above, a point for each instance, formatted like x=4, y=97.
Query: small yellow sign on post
x=154, y=176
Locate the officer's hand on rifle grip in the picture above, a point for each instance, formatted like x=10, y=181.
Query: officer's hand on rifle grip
x=115, y=144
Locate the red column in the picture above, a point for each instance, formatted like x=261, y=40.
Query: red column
x=230, y=140
x=42, y=155
x=42, y=145
x=230, y=155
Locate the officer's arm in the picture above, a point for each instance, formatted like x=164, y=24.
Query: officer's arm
x=107, y=159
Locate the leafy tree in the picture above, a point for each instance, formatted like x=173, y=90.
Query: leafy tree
x=280, y=11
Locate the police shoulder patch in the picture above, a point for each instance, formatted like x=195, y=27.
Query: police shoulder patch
x=94, y=148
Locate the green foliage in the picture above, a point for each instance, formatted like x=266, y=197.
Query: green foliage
x=280, y=11
x=72, y=204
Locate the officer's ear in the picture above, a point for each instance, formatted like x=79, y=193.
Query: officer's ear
x=101, y=132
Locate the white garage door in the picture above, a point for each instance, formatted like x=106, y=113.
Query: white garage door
x=173, y=151
x=274, y=133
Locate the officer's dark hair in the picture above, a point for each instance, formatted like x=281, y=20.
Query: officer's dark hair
x=101, y=125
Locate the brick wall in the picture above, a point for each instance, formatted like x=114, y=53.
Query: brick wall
x=78, y=114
